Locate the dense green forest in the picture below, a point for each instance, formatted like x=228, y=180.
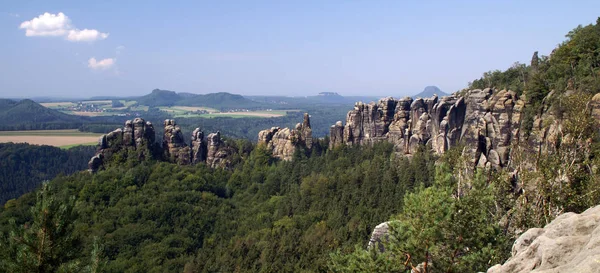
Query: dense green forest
x=23, y=167
x=166, y=217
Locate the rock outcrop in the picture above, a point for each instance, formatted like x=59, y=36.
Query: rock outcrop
x=217, y=152
x=379, y=235
x=487, y=122
x=139, y=136
x=174, y=147
x=570, y=243
x=283, y=142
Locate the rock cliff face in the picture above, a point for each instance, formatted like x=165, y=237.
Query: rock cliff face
x=570, y=243
x=283, y=142
x=217, y=152
x=139, y=136
x=487, y=122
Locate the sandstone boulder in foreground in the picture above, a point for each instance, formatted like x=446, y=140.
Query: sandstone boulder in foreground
x=570, y=243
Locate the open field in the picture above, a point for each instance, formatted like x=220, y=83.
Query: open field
x=58, y=138
x=250, y=114
x=259, y=114
x=185, y=109
x=97, y=102
x=89, y=114
x=58, y=104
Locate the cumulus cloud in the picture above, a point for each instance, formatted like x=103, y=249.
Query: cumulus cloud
x=101, y=64
x=86, y=35
x=49, y=24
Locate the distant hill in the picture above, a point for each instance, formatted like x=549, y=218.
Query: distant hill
x=220, y=100
x=429, y=91
x=30, y=115
x=160, y=98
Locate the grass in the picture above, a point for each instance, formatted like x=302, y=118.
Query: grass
x=55, y=105
x=251, y=114
x=66, y=147
x=180, y=110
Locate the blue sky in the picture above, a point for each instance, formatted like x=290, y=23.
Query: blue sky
x=296, y=48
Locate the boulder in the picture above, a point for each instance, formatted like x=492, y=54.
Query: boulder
x=570, y=243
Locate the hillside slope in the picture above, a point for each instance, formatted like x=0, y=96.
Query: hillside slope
x=27, y=114
x=222, y=100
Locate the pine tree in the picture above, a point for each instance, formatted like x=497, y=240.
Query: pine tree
x=47, y=244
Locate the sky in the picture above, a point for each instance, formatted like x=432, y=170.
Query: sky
x=79, y=49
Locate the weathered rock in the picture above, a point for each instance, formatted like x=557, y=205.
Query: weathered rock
x=198, y=146
x=594, y=106
x=95, y=163
x=570, y=243
x=283, y=142
x=174, y=148
x=486, y=122
x=218, y=153
x=380, y=234
x=336, y=133
x=138, y=136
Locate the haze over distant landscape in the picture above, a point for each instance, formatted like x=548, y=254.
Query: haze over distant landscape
x=84, y=49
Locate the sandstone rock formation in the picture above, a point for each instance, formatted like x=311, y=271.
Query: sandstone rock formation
x=217, y=152
x=199, y=147
x=487, y=122
x=283, y=142
x=139, y=136
x=570, y=243
x=379, y=235
x=174, y=147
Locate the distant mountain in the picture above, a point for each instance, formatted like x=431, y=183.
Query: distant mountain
x=429, y=91
x=220, y=100
x=27, y=113
x=160, y=98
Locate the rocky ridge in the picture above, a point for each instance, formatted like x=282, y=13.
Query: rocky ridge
x=487, y=122
x=283, y=142
x=138, y=136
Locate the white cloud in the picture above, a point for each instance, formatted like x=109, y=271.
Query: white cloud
x=120, y=49
x=102, y=64
x=49, y=24
x=86, y=35
x=16, y=15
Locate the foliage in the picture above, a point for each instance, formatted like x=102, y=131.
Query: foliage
x=47, y=243
x=23, y=167
x=437, y=229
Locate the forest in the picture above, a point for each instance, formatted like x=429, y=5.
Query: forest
x=24, y=167
x=316, y=212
